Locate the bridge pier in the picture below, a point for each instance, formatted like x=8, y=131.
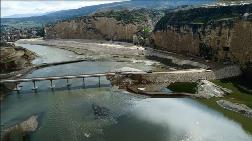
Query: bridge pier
x=68, y=84
x=17, y=88
x=34, y=85
x=83, y=82
x=99, y=81
x=52, y=86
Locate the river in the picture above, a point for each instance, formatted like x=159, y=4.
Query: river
x=106, y=113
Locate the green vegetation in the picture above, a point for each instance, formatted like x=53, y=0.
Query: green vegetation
x=131, y=16
x=245, y=122
x=128, y=17
x=40, y=32
x=184, y=87
x=146, y=32
x=203, y=15
x=237, y=96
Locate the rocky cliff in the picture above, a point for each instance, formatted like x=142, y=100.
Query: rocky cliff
x=14, y=58
x=216, y=33
x=112, y=25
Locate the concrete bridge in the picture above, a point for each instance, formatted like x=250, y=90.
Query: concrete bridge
x=52, y=78
x=189, y=75
x=65, y=77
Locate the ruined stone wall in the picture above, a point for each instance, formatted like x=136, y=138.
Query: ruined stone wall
x=193, y=76
x=163, y=79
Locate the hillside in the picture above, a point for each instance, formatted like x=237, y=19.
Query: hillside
x=68, y=14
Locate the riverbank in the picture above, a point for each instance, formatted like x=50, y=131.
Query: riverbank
x=15, y=58
x=21, y=129
x=96, y=49
x=15, y=62
x=122, y=51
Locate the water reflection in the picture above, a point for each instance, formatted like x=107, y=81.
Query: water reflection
x=189, y=120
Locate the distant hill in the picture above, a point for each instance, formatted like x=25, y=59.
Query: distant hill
x=24, y=15
x=68, y=14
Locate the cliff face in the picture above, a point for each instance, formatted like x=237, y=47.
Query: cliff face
x=15, y=58
x=93, y=28
x=113, y=25
x=223, y=43
x=219, y=33
x=78, y=28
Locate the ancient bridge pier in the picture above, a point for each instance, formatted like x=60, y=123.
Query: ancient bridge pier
x=189, y=75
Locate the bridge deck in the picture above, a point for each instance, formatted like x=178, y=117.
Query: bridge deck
x=56, y=77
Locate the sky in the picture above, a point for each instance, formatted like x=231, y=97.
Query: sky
x=11, y=7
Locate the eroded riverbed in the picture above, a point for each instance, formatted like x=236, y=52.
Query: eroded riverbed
x=107, y=113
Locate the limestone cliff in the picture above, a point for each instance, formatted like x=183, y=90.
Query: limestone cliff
x=111, y=25
x=217, y=33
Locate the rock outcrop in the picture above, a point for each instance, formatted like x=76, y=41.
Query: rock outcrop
x=207, y=89
x=111, y=25
x=20, y=130
x=236, y=107
x=216, y=33
x=15, y=58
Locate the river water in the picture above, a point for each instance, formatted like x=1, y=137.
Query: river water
x=106, y=113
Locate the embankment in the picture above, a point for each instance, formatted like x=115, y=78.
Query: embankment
x=15, y=58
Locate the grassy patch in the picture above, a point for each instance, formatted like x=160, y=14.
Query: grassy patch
x=237, y=96
x=245, y=122
x=184, y=87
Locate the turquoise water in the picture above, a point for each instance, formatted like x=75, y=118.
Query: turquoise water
x=72, y=115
